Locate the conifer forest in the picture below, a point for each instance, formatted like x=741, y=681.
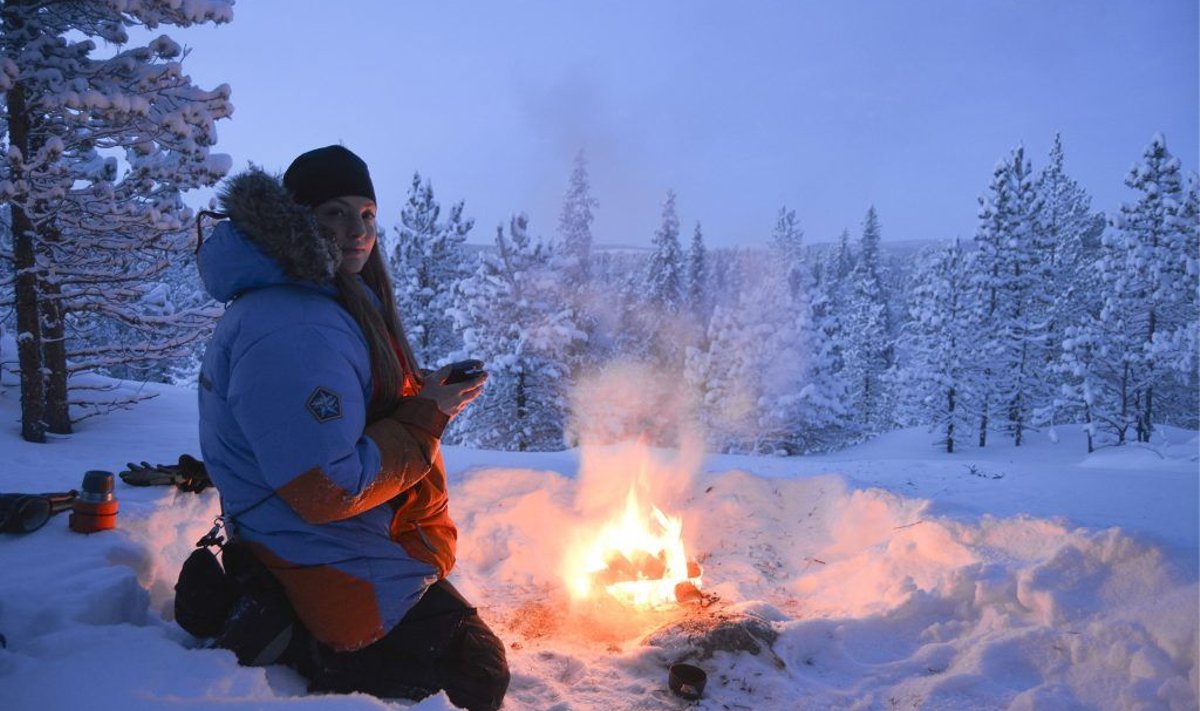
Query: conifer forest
x=1054, y=311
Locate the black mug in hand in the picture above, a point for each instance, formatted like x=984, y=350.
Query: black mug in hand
x=464, y=370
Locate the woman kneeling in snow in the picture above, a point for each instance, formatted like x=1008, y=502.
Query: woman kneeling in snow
x=323, y=439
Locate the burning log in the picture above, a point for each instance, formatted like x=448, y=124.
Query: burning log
x=620, y=568
x=643, y=566
x=688, y=592
x=636, y=558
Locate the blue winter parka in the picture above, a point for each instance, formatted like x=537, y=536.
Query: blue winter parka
x=285, y=385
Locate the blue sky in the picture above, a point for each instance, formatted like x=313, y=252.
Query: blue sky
x=740, y=107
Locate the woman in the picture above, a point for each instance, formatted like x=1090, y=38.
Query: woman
x=323, y=438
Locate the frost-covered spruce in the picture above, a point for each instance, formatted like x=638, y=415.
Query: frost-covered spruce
x=938, y=347
x=1136, y=355
x=1067, y=235
x=512, y=315
x=699, y=291
x=664, y=275
x=585, y=294
x=764, y=370
x=100, y=147
x=428, y=259
x=575, y=223
x=868, y=345
x=1010, y=303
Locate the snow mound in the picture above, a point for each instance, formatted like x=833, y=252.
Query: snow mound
x=871, y=598
x=852, y=594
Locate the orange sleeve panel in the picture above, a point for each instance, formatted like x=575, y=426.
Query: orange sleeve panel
x=408, y=447
x=319, y=499
x=421, y=413
x=422, y=523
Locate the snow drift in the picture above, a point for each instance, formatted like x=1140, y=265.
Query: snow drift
x=860, y=596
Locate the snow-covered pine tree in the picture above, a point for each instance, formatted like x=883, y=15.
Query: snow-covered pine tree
x=787, y=239
x=1012, y=303
x=697, y=356
x=831, y=299
x=611, y=317
x=1153, y=268
x=99, y=150
x=1097, y=363
x=418, y=228
x=721, y=373
x=664, y=276
x=725, y=275
x=938, y=345
x=513, y=317
x=1026, y=303
x=1066, y=281
x=659, y=328
x=107, y=341
x=575, y=238
x=725, y=369
x=987, y=285
x=773, y=340
x=451, y=264
x=808, y=402
x=1084, y=374
x=427, y=261
x=1182, y=405
x=763, y=369
x=837, y=264
x=868, y=348
x=575, y=223
x=1137, y=352
x=699, y=291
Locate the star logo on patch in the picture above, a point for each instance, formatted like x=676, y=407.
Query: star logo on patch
x=324, y=405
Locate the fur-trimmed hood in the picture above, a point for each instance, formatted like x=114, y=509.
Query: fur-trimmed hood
x=268, y=239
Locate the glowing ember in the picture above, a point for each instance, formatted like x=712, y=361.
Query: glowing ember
x=637, y=559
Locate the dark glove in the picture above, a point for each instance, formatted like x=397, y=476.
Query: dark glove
x=188, y=475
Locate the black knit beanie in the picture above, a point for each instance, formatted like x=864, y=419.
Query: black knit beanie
x=327, y=173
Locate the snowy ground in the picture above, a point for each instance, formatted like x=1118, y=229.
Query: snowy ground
x=890, y=576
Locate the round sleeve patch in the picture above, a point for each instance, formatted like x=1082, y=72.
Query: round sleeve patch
x=324, y=404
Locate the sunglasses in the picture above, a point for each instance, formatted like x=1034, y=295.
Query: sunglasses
x=26, y=513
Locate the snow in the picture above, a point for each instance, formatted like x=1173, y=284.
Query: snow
x=894, y=577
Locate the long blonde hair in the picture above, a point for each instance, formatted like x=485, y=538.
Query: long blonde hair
x=381, y=327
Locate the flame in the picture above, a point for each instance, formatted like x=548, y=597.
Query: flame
x=635, y=558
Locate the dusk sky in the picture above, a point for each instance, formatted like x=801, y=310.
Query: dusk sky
x=740, y=107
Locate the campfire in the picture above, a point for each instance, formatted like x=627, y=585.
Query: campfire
x=638, y=558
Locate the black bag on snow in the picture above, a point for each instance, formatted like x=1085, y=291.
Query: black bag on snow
x=238, y=602
x=204, y=595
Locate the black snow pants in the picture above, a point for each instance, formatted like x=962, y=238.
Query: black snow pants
x=441, y=644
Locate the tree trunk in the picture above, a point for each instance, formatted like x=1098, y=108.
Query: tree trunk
x=983, y=424
x=29, y=331
x=1148, y=413
x=54, y=345
x=867, y=406
x=1124, y=405
x=522, y=415
x=950, y=424
x=1014, y=424
x=1148, y=424
x=1087, y=415
x=1017, y=414
x=29, y=334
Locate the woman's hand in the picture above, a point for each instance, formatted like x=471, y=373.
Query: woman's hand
x=451, y=399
